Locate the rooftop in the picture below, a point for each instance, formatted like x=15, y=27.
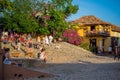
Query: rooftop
x=92, y=20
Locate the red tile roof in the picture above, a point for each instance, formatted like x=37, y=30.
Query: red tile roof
x=92, y=20
x=89, y=20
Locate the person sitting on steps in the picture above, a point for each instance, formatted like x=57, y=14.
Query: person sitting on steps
x=7, y=56
x=42, y=55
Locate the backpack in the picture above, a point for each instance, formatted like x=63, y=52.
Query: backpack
x=6, y=61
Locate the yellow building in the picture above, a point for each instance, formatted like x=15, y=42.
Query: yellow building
x=97, y=33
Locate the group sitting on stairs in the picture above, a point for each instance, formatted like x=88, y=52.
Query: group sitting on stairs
x=26, y=43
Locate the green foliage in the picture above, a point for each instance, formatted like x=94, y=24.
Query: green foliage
x=20, y=15
x=85, y=45
x=5, y=4
x=19, y=18
x=57, y=24
x=44, y=31
x=65, y=6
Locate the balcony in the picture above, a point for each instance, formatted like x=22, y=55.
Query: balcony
x=95, y=33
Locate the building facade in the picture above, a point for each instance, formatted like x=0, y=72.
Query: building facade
x=99, y=34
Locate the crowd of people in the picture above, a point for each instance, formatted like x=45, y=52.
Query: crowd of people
x=26, y=40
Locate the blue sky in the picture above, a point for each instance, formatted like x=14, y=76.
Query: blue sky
x=106, y=10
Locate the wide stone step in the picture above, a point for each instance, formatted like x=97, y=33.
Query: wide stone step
x=27, y=62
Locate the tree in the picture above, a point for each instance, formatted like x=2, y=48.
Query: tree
x=5, y=4
x=22, y=16
x=58, y=11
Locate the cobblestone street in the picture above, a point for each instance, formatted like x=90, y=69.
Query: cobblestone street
x=86, y=67
x=83, y=71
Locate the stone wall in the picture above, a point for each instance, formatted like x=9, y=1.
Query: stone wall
x=15, y=72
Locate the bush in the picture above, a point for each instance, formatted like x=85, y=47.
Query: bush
x=85, y=45
x=71, y=36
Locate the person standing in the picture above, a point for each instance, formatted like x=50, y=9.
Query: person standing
x=30, y=44
x=29, y=36
x=110, y=49
x=18, y=45
x=116, y=52
x=46, y=40
x=38, y=39
x=50, y=39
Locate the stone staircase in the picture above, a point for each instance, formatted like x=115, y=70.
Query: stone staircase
x=58, y=52
x=22, y=53
x=63, y=52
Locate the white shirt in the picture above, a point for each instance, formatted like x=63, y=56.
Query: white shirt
x=46, y=40
x=50, y=38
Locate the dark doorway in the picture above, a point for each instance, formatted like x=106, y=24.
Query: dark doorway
x=92, y=28
x=93, y=42
x=93, y=46
x=114, y=42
